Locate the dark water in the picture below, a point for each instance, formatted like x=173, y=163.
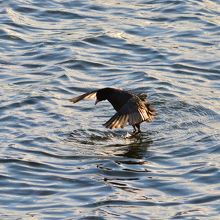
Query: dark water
x=57, y=161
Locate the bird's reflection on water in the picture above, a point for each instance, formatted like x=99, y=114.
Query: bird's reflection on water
x=127, y=164
x=138, y=147
x=123, y=160
x=134, y=147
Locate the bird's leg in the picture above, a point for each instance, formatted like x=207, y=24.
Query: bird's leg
x=138, y=128
x=134, y=131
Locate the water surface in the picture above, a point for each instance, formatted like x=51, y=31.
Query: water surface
x=57, y=161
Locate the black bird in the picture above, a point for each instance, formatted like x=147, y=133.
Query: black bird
x=132, y=109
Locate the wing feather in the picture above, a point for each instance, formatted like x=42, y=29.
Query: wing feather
x=133, y=112
x=88, y=95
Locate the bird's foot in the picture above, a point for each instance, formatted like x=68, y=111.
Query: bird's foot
x=133, y=134
x=136, y=132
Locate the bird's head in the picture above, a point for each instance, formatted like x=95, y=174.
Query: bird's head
x=101, y=95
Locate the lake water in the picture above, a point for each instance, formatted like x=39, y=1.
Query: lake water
x=57, y=161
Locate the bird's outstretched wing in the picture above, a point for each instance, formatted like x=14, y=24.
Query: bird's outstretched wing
x=133, y=112
x=88, y=95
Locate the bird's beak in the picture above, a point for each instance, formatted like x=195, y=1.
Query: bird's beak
x=96, y=101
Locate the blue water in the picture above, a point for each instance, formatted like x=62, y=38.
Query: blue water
x=57, y=161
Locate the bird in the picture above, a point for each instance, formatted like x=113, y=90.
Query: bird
x=131, y=108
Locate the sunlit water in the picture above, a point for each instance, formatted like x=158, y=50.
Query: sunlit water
x=57, y=161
